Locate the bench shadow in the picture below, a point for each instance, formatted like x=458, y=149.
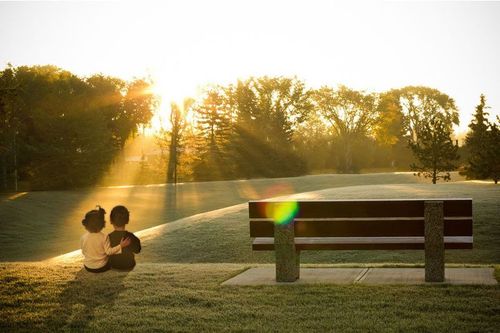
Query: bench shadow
x=77, y=304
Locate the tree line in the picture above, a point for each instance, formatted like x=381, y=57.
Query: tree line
x=276, y=127
x=59, y=130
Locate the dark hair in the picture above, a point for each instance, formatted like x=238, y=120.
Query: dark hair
x=94, y=220
x=119, y=216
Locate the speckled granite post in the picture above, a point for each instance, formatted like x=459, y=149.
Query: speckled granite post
x=434, y=241
x=287, y=259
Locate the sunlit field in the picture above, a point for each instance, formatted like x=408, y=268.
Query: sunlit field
x=43, y=224
x=177, y=283
x=222, y=236
x=189, y=297
x=185, y=111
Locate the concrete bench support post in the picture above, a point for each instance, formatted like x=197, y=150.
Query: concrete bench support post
x=434, y=241
x=287, y=258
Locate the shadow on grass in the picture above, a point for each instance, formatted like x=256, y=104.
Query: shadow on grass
x=77, y=305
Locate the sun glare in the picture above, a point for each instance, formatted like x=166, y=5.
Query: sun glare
x=169, y=89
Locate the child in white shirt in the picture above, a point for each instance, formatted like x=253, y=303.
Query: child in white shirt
x=95, y=244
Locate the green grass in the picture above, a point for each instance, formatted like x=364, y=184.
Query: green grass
x=177, y=283
x=42, y=224
x=189, y=298
x=224, y=236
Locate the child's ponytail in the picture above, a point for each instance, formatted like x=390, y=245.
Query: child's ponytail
x=94, y=219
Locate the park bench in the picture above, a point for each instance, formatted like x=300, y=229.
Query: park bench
x=289, y=227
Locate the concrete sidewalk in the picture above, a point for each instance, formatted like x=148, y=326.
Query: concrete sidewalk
x=368, y=276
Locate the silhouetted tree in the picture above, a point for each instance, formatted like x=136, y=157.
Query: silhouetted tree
x=174, y=137
x=419, y=105
x=483, y=144
x=69, y=128
x=434, y=150
x=390, y=133
x=351, y=114
x=214, y=125
x=138, y=105
x=494, y=151
x=314, y=143
x=11, y=122
x=268, y=110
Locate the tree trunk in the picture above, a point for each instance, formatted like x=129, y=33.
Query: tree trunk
x=172, y=161
x=4, y=173
x=345, y=162
x=348, y=158
x=15, y=163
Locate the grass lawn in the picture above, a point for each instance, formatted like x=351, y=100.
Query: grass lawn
x=187, y=297
x=223, y=236
x=40, y=225
x=176, y=285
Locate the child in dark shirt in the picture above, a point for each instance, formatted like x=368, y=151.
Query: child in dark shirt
x=126, y=260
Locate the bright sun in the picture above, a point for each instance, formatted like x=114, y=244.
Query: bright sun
x=171, y=90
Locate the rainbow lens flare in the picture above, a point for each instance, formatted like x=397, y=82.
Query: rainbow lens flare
x=282, y=212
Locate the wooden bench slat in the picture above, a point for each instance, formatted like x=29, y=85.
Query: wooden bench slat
x=364, y=208
x=363, y=243
x=362, y=227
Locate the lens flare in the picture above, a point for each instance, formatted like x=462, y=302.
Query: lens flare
x=282, y=212
x=277, y=190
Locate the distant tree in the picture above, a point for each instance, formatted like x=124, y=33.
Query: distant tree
x=390, y=132
x=139, y=103
x=494, y=151
x=482, y=143
x=314, y=143
x=419, y=105
x=388, y=128
x=351, y=114
x=434, y=150
x=214, y=127
x=267, y=111
x=11, y=122
x=173, y=137
x=68, y=129
x=105, y=96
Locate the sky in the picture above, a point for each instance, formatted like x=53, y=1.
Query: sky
x=184, y=45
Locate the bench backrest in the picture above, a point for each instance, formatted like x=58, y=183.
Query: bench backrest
x=361, y=218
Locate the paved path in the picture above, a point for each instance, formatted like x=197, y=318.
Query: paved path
x=370, y=276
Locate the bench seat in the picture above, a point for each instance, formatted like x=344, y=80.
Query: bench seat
x=363, y=243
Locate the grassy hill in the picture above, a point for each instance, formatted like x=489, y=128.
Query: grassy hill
x=40, y=225
x=176, y=285
x=222, y=236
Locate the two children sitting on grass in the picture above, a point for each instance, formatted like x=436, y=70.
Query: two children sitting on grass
x=102, y=252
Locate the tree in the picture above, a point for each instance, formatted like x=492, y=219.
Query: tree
x=482, y=143
x=173, y=137
x=419, y=105
x=214, y=126
x=105, y=96
x=11, y=123
x=267, y=111
x=314, y=144
x=494, y=151
x=66, y=129
x=138, y=105
x=351, y=114
x=434, y=150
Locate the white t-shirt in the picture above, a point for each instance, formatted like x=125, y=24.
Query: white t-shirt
x=96, y=249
